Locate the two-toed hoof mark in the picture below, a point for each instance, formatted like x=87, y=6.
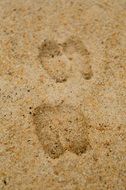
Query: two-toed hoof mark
x=56, y=58
x=61, y=128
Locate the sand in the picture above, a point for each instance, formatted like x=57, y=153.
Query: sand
x=63, y=95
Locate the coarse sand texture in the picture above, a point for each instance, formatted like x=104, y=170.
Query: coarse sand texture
x=62, y=94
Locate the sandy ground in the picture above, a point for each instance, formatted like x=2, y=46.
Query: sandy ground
x=63, y=95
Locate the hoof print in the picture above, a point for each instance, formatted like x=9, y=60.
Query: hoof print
x=56, y=59
x=61, y=128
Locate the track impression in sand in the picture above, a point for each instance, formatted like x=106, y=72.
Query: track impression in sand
x=59, y=59
x=60, y=128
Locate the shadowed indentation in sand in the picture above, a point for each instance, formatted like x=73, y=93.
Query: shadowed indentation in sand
x=52, y=60
x=56, y=58
x=49, y=49
x=74, y=48
x=61, y=128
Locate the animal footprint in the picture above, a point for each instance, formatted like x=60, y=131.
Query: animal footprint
x=61, y=128
x=58, y=59
x=53, y=61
